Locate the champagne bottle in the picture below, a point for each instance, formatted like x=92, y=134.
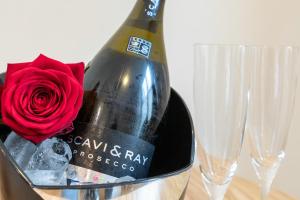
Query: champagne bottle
x=126, y=93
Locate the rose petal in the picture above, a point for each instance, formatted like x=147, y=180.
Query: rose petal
x=12, y=68
x=78, y=71
x=23, y=105
x=1, y=91
x=45, y=63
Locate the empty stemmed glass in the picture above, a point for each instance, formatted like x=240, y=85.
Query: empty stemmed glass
x=221, y=83
x=272, y=97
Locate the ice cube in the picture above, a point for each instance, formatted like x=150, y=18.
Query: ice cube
x=71, y=172
x=50, y=161
x=52, y=154
x=125, y=179
x=44, y=164
x=20, y=149
x=47, y=177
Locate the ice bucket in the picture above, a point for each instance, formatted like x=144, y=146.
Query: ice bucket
x=167, y=180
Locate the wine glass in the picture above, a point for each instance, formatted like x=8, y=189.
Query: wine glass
x=272, y=99
x=221, y=86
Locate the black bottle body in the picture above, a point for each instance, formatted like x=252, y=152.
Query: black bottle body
x=130, y=92
x=126, y=93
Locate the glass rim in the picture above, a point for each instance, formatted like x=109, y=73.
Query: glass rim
x=268, y=46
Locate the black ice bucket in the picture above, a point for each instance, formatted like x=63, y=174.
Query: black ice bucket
x=167, y=180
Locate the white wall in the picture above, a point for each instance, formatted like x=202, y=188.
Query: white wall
x=74, y=30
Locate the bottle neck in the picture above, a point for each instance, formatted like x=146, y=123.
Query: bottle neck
x=148, y=10
x=144, y=26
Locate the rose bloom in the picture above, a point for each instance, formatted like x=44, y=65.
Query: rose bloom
x=41, y=99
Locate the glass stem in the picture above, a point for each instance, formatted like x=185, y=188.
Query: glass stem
x=215, y=191
x=265, y=188
x=266, y=175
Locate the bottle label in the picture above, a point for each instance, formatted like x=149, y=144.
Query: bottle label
x=110, y=152
x=139, y=46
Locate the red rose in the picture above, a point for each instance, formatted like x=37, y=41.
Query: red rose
x=41, y=98
x=1, y=90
